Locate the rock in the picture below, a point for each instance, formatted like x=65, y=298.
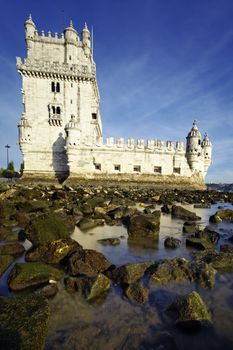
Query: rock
x=171, y=242
x=49, y=291
x=90, y=287
x=222, y=262
x=30, y=275
x=136, y=292
x=14, y=249
x=5, y=262
x=144, y=226
x=189, y=311
x=184, y=214
x=87, y=262
x=24, y=322
x=22, y=218
x=190, y=227
x=87, y=209
x=198, y=243
x=109, y=241
x=226, y=248
x=202, y=206
x=181, y=270
x=53, y=252
x=88, y=223
x=131, y=272
x=166, y=209
x=225, y=214
x=31, y=206
x=43, y=230
x=7, y=235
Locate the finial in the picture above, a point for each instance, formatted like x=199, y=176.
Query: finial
x=30, y=17
x=85, y=25
x=71, y=23
x=194, y=122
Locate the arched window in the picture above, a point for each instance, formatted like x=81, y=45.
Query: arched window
x=58, y=87
x=58, y=110
x=53, y=86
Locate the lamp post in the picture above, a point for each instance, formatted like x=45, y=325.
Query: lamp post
x=7, y=155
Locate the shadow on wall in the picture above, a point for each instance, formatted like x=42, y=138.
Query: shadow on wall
x=60, y=160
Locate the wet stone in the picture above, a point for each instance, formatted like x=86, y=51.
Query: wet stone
x=171, y=242
x=184, y=214
x=109, y=241
x=14, y=249
x=131, y=272
x=137, y=292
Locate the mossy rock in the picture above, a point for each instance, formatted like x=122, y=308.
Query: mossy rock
x=12, y=248
x=137, y=292
x=225, y=214
x=43, y=230
x=32, y=275
x=144, y=226
x=7, y=235
x=198, y=243
x=222, y=262
x=5, y=262
x=189, y=311
x=131, y=272
x=23, y=322
x=88, y=223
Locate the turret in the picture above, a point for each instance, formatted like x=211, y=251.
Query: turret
x=30, y=31
x=72, y=133
x=207, y=152
x=86, y=39
x=194, y=149
x=71, y=35
x=24, y=133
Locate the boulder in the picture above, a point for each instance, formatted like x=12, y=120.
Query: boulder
x=87, y=262
x=109, y=241
x=190, y=227
x=90, y=287
x=166, y=209
x=5, y=262
x=14, y=249
x=88, y=223
x=171, y=242
x=222, y=262
x=46, y=229
x=184, y=214
x=131, y=272
x=189, y=311
x=49, y=291
x=226, y=248
x=7, y=235
x=224, y=214
x=32, y=275
x=202, y=206
x=24, y=322
x=52, y=252
x=144, y=226
x=137, y=292
x=205, y=239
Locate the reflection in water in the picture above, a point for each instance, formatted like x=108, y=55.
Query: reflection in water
x=119, y=324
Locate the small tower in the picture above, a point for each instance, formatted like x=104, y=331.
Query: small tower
x=30, y=31
x=194, y=153
x=72, y=133
x=71, y=35
x=86, y=39
x=207, y=152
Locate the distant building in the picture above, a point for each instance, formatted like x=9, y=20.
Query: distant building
x=60, y=132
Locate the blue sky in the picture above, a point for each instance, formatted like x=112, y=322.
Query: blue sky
x=160, y=65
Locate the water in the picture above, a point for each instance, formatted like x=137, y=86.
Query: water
x=117, y=323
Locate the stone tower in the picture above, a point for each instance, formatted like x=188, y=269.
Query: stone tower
x=59, y=90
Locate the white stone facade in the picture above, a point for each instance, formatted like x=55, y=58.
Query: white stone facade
x=60, y=132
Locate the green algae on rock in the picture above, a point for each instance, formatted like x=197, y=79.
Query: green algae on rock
x=32, y=275
x=23, y=322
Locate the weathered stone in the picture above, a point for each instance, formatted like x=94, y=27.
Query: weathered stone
x=53, y=252
x=90, y=287
x=49, y=291
x=202, y=206
x=88, y=223
x=12, y=249
x=43, y=230
x=7, y=235
x=189, y=311
x=171, y=242
x=198, y=243
x=226, y=248
x=222, y=262
x=190, y=227
x=29, y=275
x=87, y=262
x=131, y=272
x=5, y=262
x=109, y=241
x=166, y=209
x=225, y=214
x=144, y=226
x=24, y=322
x=136, y=292
x=184, y=214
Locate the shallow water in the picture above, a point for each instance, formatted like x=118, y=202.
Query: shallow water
x=116, y=323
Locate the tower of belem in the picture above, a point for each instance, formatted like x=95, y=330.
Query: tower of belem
x=60, y=131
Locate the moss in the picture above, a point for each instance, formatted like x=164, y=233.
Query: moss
x=23, y=322
x=199, y=243
x=46, y=229
x=5, y=261
x=35, y=274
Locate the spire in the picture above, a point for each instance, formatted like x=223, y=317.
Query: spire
x=71, y=24
x=29, y=20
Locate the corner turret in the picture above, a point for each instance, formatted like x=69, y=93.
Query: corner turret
x=86, y=39
x=71, y=35
x=72, y=132
x=207, y=152
x=193, y=148
x=30, y=32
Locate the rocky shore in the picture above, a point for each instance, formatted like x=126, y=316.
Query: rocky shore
x=45, y=217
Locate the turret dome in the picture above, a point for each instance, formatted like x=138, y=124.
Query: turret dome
x=70, y=34
x=30, y=21
x=73, y=123
x=194, y=132
x=206, y=141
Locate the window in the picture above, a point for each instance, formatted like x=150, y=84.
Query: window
x=176, y=170
x=71, y=101
x=70, y=58
x=117, y=167
x=53, y=109
x=137, y=168
x=58, y=110
x=97, y=166
x=55, y=87
x=71, y=84
x=199, y=142
x=157, y=169
x=94, y=116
